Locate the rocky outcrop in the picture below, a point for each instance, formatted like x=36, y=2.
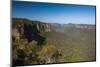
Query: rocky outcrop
x=29, y=30
x=43, y=27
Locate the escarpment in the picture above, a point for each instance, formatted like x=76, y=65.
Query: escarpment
x=30, y=30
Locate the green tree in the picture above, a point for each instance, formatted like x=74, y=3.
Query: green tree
x=49, y=54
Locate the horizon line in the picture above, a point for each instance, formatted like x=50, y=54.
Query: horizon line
x=51, y=22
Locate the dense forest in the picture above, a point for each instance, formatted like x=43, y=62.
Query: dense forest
x=36, y=42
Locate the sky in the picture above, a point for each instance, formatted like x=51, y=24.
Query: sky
x=54, y=13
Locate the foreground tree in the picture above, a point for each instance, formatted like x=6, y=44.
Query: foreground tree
x=49, y=54
x=24, y=53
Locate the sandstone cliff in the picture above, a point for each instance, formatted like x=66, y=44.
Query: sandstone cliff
x=24, y=28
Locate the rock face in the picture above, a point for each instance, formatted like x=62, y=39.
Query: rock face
x=30, y=30
x=85, y=26
x=44, y=27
